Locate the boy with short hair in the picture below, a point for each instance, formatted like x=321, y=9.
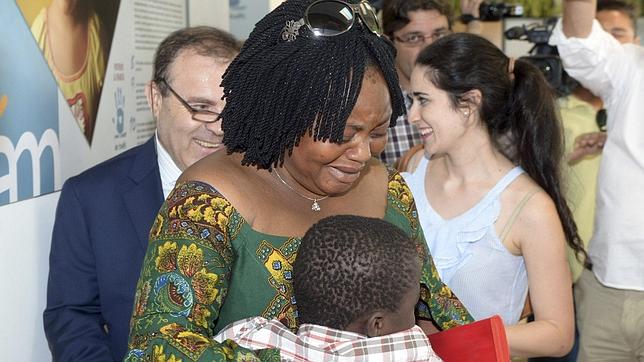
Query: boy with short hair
x=356, y=281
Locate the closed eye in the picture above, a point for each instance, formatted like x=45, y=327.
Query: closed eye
x=347, y=138
x=380, y=132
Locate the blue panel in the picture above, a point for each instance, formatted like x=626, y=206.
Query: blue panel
x=29, y=91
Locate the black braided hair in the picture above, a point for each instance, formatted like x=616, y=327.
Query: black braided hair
x=278, y=90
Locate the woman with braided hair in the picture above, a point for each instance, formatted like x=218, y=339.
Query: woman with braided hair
x=308, y=103
x=488, y=188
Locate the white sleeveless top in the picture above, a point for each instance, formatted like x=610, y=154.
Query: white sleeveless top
x=470, y=256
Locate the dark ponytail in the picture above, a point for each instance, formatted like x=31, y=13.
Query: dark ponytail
x=538, y=139
x=518, y=108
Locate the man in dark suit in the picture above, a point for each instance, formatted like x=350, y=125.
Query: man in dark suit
x=105, y=213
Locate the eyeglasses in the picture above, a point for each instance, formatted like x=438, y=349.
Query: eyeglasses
x=416, y=39
x=201, y=115
x=335, y=17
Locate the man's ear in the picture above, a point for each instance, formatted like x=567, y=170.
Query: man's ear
x=376, y=324
x=153, y=96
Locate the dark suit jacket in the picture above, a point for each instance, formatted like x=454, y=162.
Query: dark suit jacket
x=99, y=240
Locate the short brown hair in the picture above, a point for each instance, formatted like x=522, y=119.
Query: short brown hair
x=628, y=9
x=203, y=40
x=395, y=13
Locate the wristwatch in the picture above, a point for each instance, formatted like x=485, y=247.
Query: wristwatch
x=466, y=18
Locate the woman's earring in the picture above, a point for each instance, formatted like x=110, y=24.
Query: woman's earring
x=466, y=113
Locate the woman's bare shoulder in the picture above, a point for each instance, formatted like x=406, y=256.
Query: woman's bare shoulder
x=413, y=159
x=219, y=170
x=536, y=212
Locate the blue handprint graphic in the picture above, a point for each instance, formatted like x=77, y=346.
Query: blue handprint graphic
x=119, y=101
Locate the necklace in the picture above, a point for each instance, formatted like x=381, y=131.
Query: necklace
x=315, y=206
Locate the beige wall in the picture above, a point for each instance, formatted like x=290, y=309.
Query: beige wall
x=274, y=3
x=210, y=12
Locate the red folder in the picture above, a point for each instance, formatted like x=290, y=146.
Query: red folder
x=481, y=341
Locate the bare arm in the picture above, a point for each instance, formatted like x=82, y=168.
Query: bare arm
x=542, y=242
x=409, y=162
x=471, y=7
x=578, y=17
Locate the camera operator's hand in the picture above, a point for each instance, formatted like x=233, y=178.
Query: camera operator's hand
x=470, y=10
x=471, y=7
x=587, y=144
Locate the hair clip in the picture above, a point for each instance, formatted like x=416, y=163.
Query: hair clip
x=291, y=30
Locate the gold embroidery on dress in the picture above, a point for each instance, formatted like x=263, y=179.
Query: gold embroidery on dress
x=279, y=264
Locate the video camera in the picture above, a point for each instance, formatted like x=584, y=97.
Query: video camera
x=497, y=11
x=544, y=56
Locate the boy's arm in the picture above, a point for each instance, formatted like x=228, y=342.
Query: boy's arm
x=578, y=17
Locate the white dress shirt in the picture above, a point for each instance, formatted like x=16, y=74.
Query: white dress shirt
x=167, y=168
x=615, y=72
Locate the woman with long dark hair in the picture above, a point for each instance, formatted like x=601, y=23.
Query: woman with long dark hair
x=488, y=188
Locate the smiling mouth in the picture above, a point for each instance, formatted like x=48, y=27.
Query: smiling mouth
x=206, y=144
x=426, y=132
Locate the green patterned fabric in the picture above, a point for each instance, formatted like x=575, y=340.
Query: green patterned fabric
x=206, y=268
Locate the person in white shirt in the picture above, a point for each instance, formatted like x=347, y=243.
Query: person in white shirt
x=610, y=298
x=104, y=214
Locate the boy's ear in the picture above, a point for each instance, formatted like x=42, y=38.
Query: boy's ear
x=375, y=324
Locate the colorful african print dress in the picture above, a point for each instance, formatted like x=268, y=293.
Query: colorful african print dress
x=206, y=268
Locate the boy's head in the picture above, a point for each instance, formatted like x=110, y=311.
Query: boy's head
x=357, y=274
x=619, y=18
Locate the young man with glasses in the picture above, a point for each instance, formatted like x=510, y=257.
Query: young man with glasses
x=412, y=25
x=104, y=214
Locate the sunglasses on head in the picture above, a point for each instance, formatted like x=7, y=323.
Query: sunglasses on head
x=335, y=17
